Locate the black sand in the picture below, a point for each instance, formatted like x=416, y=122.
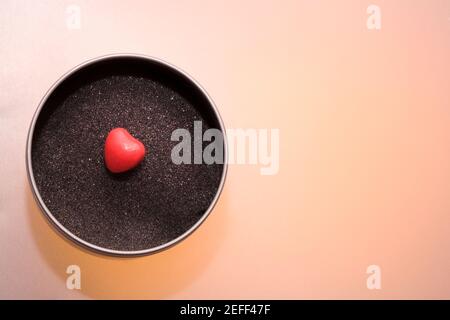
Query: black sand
x=143, y=208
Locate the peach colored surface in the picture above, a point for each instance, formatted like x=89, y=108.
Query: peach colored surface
x=364, y=119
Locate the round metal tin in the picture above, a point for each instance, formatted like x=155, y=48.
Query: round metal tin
x=29, y=165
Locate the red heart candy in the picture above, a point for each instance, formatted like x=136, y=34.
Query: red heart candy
x=122, y=151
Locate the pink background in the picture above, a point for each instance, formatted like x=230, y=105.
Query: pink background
x=364, y=152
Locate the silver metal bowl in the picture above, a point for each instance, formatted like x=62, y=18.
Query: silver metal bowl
x=29, y=162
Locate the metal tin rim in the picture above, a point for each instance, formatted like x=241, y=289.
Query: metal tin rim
x=63, y=230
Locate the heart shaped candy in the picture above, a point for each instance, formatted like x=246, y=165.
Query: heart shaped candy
x=122, y=151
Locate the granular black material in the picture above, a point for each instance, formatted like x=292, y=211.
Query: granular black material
x=147, y=206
